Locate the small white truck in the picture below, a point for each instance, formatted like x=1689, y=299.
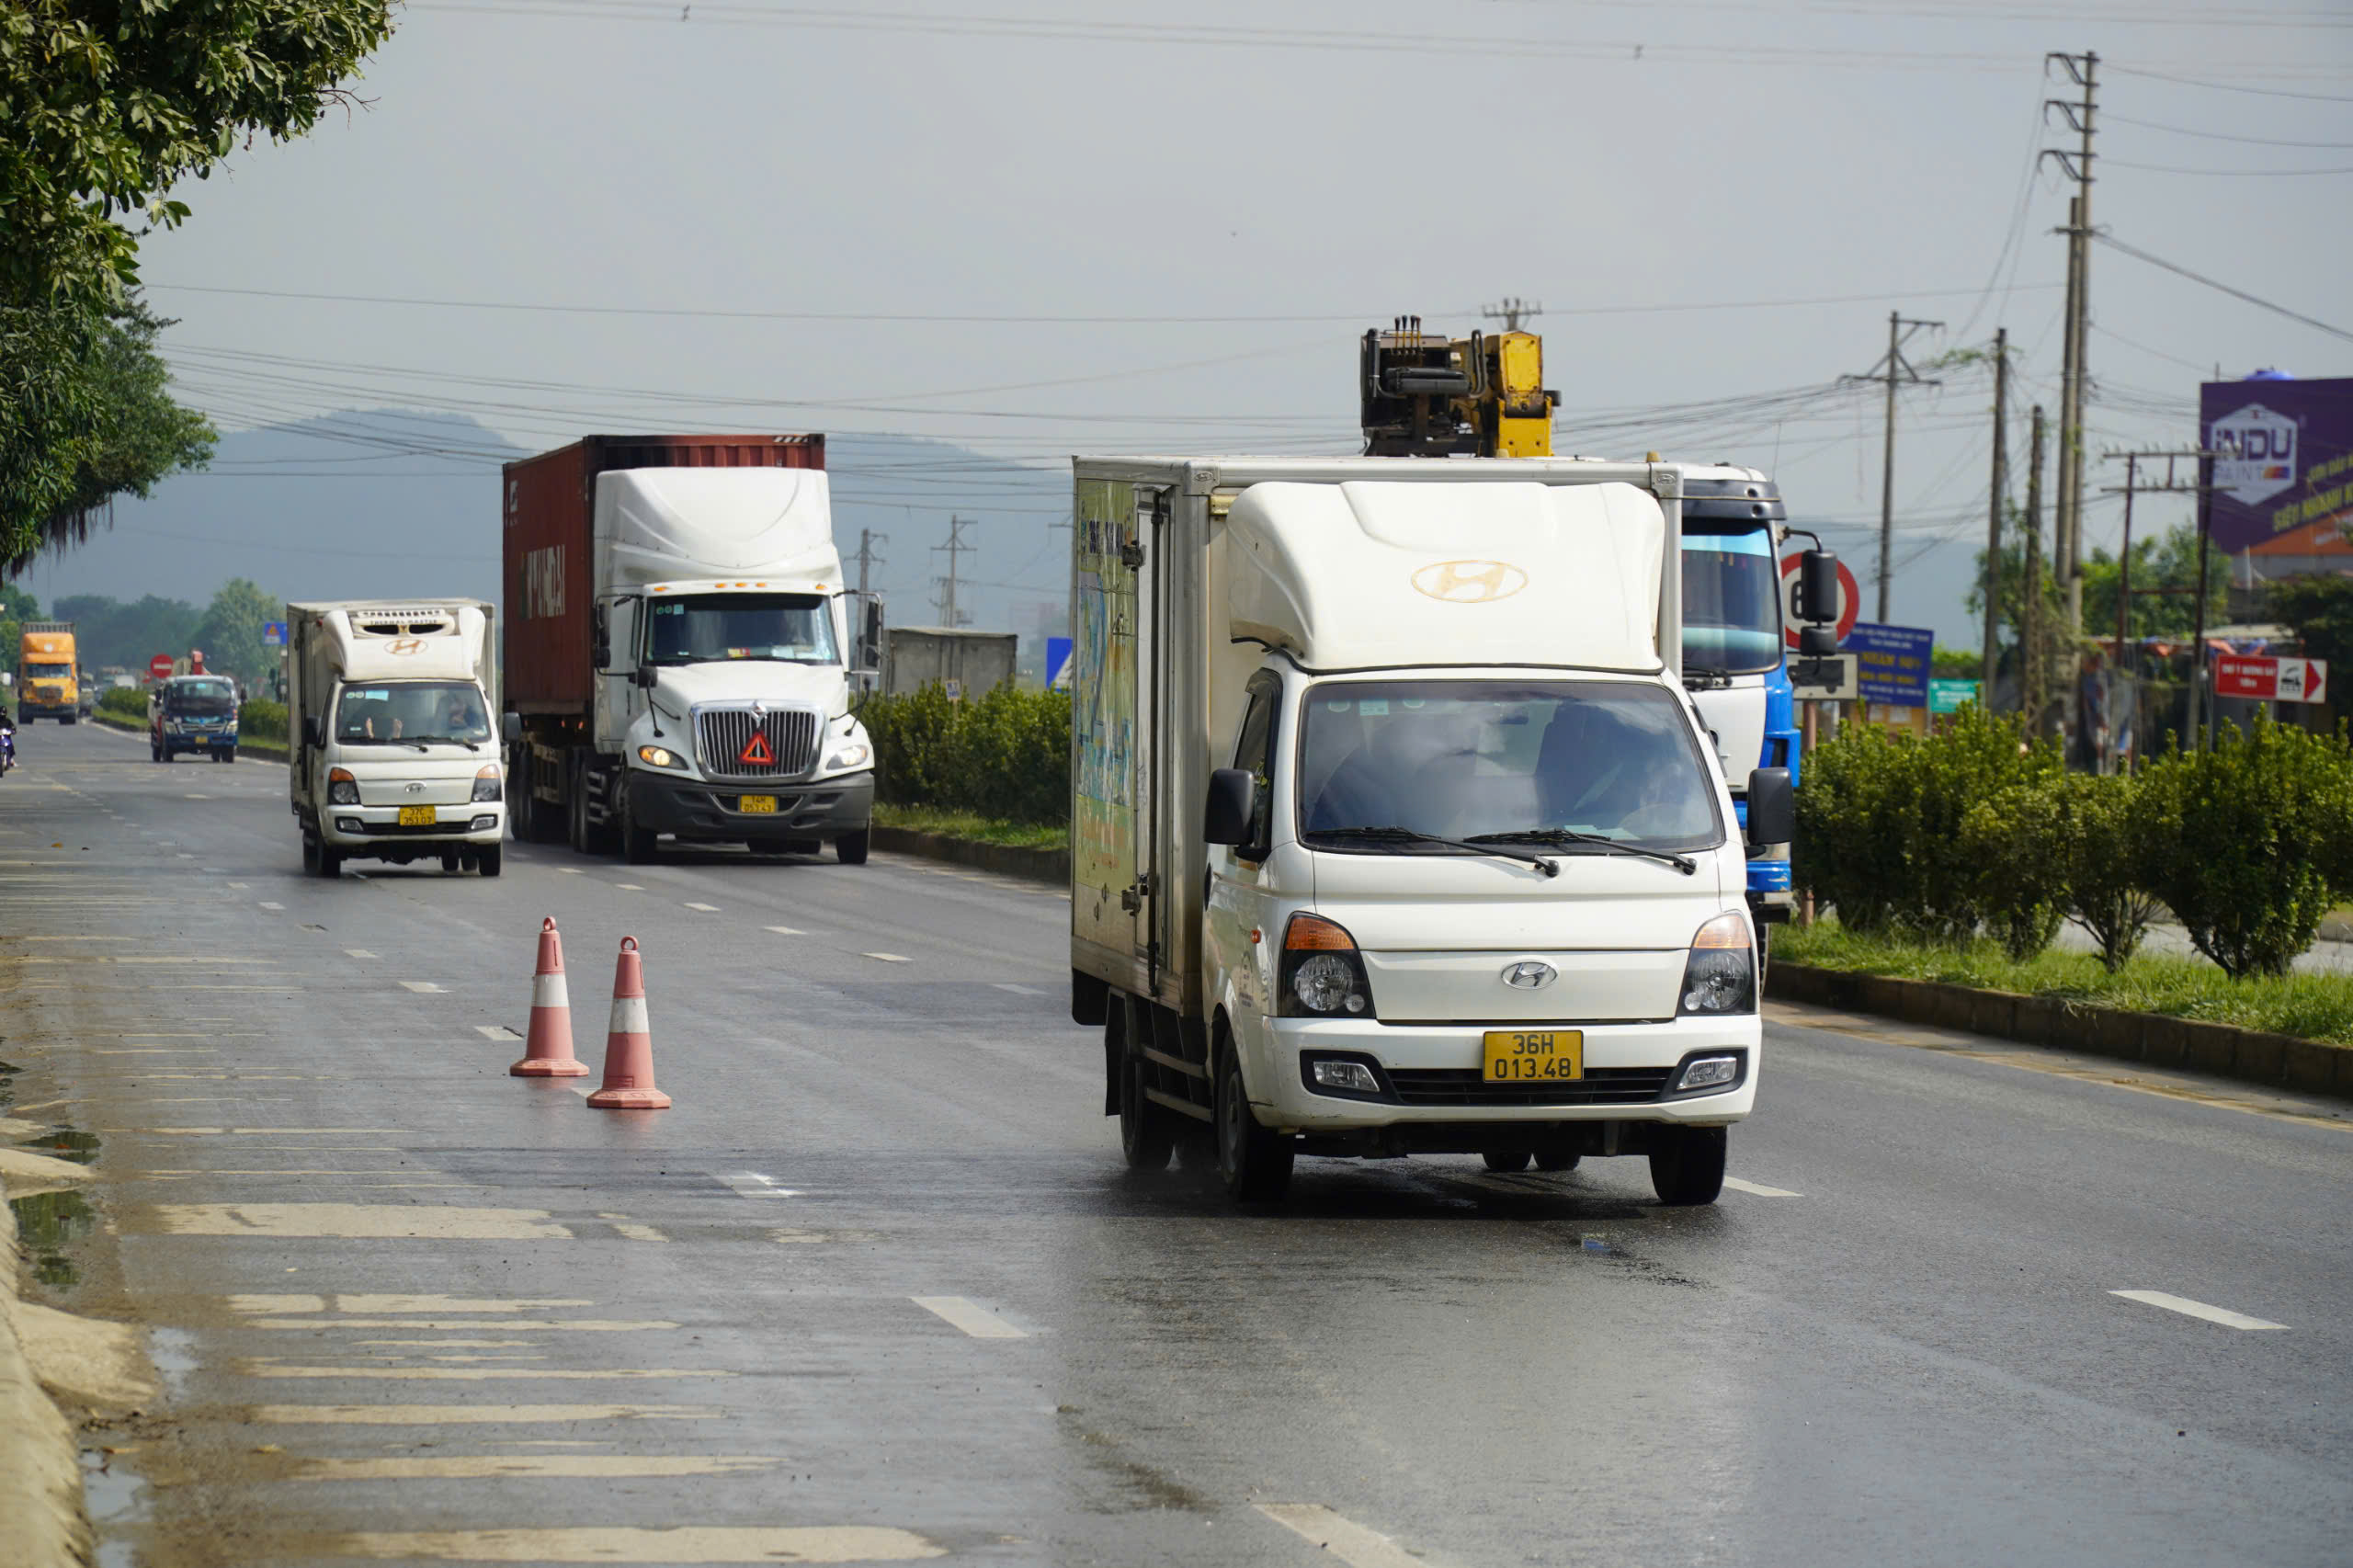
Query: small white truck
x=393, y=753
x=1393, y=833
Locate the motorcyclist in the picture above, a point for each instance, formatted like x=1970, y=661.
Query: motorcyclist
x=7, y=740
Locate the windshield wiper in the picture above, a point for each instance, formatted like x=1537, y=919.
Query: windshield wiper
x=421, y=741
x=1683, y=863
x=1411, y=836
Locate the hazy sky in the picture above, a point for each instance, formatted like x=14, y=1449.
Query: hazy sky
x=1167, y=234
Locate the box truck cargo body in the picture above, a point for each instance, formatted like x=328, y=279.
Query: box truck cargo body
x=1392, y=830
x=394, y=752
x=677, y=653
x=49, y=682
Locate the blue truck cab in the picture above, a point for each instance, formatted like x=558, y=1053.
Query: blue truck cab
x=193, y=713
x=1734, y=659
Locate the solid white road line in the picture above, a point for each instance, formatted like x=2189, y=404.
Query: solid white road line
x=888, y=958
x=969, y=1316
x=1347, y=1540
x=2188, y=1308
x=785, y=930
x=706, y=908
x=423, y=987
x=1756, y=1190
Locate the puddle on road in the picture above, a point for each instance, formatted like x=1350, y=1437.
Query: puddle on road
x=65, y=1143
x=48, y=1227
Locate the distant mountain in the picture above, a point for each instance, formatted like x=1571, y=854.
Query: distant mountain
x=389, y=503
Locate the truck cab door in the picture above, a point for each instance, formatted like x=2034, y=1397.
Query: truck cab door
x=1234, y=879
x=619, y=700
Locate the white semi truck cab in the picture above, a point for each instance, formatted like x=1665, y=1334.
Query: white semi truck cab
x=394, y=753
x=1392, y=830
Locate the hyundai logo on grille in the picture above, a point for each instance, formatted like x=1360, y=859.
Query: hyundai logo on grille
x=416, y=789
x=1528, y=976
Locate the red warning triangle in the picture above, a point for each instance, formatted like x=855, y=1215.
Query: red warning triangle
x=756, y=751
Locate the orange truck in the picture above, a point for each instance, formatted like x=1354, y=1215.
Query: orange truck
x=49, y=680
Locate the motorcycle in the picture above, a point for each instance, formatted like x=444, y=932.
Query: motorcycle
x=7, y=751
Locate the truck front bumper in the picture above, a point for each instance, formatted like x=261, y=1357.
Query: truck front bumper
x=369, y=829
x=199, y=740
x=1430, y=1074
x=690, y=809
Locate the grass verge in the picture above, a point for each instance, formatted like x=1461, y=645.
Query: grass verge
x=2310, y=1006
x=967, y=824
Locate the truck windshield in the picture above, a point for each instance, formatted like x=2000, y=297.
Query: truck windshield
x=411, y=711
x=1468, y=759
x=48, y=672
x=1732, y=602
x=707, y=628
x=200, y=699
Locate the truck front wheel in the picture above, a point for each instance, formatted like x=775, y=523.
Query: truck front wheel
x=1253, y=1163
x=1687, y=1164
x=851, y=848
x=637, y=840
x=1146, y=1138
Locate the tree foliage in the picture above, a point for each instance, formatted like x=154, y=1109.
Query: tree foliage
x=230, y=633
x=2320, y=609
x=112, y=633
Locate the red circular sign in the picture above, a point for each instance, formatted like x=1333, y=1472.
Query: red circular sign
x=160, y=667
x=1850, y=601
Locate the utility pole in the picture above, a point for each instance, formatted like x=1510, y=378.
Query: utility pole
x=2172, y=485
x=1895, y=371
x=2030, y=613
x=1510, y=311
x=2074, y=376
x=2001, y=485
x=951, y=617
x=867, y=539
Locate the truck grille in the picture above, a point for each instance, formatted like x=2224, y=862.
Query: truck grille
x=731, y=742
x=1463, y=1087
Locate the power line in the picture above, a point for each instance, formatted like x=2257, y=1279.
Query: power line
x=2230, y=87
x=2177, y=169
x=2139, y=255
x=2226, y=136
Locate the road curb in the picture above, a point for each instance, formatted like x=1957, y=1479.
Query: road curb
x=268, y=751
x=41, y=1471
x=1007, y=859
x=2253, y=1056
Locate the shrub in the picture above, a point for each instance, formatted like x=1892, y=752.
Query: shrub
x=1006, y=754
x=259, y=719
x=2016, y=840
x=124, y=702
x=2245, y=841
x=2108, y=851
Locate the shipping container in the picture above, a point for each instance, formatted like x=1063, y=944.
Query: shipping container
x=549, y=580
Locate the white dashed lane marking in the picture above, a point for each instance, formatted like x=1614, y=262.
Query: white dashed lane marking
x=969, y=1316
x=752, y=1184
x=2188, y=1308
x=887, y=958
x=1347, y=1540
x=499, y=1032
x=423, y=987
x=570, y=871
x=785, y=930
x=1018, y=990
x=629, y=887
x=1757, y=1189
x=706, y=908
x=347, y=952
x=267, y=904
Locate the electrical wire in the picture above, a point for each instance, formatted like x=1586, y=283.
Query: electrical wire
x=2177, y=169
x=2225, y=136
x=2139, y=255
x=2225, y=87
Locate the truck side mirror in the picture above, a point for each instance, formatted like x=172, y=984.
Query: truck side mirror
x=1818, y=586
x=1233, y=793
x=510, y=728
x=642, y=677
x=315, y=730
x=1817, y=642
x=1772, y=806
x=601, y=647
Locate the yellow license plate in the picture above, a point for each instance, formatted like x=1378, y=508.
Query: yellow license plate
x=756, y=804
x=418, y=817
x=1532, y=1056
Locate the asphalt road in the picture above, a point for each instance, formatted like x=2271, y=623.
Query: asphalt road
x=878, y=1286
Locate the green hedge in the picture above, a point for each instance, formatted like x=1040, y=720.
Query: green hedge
x=1006, y=754
x=124, y=702
x=259, y=719
x=1973, y=831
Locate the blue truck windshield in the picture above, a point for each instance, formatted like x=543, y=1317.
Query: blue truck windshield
x=1732, y=603
x=711, y=628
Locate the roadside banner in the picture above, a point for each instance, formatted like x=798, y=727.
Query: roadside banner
x=1892, y=663
x=1947, y=695
x=2271, y=680
x=2284, y=457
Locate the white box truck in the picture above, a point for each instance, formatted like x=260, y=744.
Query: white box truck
x=394, y=758
x=1392, y=830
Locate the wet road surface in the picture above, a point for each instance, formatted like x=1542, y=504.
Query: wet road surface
x=879, y=1289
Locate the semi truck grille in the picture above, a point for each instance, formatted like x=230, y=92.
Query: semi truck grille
x=1463, y=1087
x=734, y=744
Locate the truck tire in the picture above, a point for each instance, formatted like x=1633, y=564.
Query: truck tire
x=448, y=862
x=638, y=844
x=310, y=855
x=1557, y=1157
x=851, y=848
x=71, y=719
x=1146, y=1139
x=1253, y=1163
x=487, y=861
x=1504, y=1162
x=1687, y=1164
x=330, y=862
x=575, y=803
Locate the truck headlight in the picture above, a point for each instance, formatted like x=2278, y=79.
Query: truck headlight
x=1720, y=976
x=487, y=783
x=343, y=789
x=1323, y=974
x=850, y=753
x=659, y=756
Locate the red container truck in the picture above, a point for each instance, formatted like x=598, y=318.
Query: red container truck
x=654, y=609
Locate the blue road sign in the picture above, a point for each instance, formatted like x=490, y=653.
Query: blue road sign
x=273, y=634
x=1891, y=663
x=1057, y=663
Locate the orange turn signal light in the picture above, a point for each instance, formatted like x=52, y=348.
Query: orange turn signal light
x=1313, y=933
x=1724, y=931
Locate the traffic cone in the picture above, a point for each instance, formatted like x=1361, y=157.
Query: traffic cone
x=629, y=1044
x=549, y=1053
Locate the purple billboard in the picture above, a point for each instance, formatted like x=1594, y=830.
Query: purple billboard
x=2283, y=475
